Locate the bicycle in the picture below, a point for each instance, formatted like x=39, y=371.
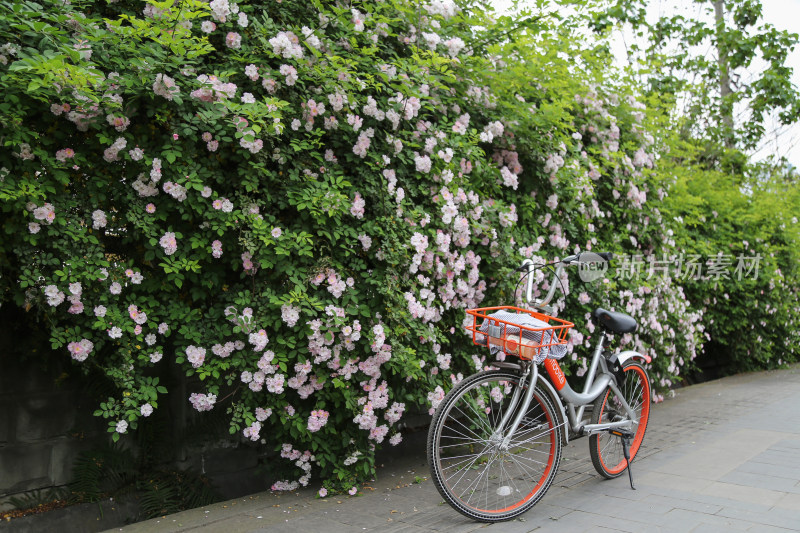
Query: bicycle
x=495, y=442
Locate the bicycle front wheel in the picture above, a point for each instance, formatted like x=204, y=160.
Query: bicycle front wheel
x=473, y=470
x=606, y=449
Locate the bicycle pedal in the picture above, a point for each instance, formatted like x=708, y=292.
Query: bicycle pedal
x=626, y=435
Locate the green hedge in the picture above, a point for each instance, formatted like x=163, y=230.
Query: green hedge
x=294, y=202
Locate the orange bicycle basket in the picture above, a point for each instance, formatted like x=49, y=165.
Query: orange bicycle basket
x=514, y=338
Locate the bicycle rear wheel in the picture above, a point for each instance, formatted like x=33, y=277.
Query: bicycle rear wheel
x=474, y=473
x=606, y=449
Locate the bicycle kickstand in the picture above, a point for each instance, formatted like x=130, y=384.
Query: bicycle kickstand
x=626, y=438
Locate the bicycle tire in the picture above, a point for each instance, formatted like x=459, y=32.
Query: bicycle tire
x=471, y=471
x=606, y=449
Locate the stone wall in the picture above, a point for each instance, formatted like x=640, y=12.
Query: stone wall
x=46, y=406
x=45, y=422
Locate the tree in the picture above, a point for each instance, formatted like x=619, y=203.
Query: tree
x=725, y=65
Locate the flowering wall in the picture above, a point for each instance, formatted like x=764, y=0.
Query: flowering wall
x=294, y=202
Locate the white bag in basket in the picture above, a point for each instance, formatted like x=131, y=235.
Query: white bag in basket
x=556, y=351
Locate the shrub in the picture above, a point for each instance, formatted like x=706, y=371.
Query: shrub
x=295, y=202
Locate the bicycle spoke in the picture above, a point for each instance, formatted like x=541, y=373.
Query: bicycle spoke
x=480, y=417
x=532, y=465
x=532, y=460
x=536, y=476
x=610, y=441
x=461, y=435
x=511, y=480
x=522, y=436
x=480, y=477
x=465, y=427
x=480, y=422
x=466, y=458
x=471, y=441
x=464, y=473
x=550, y=430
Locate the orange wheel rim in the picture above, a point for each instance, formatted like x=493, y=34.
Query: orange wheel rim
x=639, y=436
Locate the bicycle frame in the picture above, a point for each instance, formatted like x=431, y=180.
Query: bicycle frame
x=576, y=402
x=594, y=385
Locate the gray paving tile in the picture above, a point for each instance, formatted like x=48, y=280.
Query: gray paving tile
x=707, y=499
x=512, y=526
x=685, y=504
x=618, y=488
x=754, y=466
x=639, y=511
x=761, y=528
x=785, y=518
x=430, y=518
x=303, y=524
x=402, y=527
x=788, y=444
x=584, y=520
x=789, y=501
x=524, y=524
x=759, y=480
x=778, y=457
x=681, y=520
x=710, y=528
x=363, y=518
x=446, y=526
x=549, y=511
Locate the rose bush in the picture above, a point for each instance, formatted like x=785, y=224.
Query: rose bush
x=294, y=203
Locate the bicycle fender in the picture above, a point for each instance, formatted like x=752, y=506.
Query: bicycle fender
x=630, y=354
x=555, y=400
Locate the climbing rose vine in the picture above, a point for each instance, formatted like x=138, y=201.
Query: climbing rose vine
x=292, y=204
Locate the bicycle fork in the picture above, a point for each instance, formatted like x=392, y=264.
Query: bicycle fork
x=530, y=376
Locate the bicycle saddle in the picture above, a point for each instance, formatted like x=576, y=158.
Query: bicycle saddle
x=616, y=322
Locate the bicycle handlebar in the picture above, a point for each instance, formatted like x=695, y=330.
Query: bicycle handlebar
x=567, y=261
x=606, y=256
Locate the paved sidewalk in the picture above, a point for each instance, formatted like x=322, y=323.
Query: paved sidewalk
x=719, y=456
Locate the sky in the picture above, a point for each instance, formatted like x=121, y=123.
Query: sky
x=784, y=15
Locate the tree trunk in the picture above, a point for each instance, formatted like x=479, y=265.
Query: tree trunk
x=726, y=103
